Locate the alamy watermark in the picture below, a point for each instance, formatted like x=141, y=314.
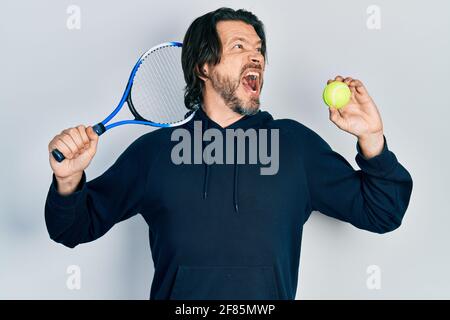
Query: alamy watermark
x=373, y=21
x=373, y=282
x=73, y=281
x=73, y=21
x=190, y=149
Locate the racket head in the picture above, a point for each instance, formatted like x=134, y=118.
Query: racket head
x=157, y=86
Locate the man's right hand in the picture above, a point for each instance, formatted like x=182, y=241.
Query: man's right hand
x=78, y=145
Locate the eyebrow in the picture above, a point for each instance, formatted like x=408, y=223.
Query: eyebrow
x=233, y=39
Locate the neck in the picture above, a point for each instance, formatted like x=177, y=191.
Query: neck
x=217, y=110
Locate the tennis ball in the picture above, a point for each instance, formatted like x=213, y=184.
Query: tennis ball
x=336, y=94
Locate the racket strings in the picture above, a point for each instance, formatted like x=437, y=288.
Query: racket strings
x=170, y=99
x=158, y=87
x=144, y=96
x=173, y=78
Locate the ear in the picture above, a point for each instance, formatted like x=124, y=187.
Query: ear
x=203, y=73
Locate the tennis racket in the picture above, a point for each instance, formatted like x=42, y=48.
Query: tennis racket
x=154, y=92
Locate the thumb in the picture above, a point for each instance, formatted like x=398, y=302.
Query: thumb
x=93, y=137
x=93, y=140
x=336, y=117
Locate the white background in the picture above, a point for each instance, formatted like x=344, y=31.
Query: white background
x=52, y=78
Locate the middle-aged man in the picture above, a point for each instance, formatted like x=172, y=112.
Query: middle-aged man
x=226, y=230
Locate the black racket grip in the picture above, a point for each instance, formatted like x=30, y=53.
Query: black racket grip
x=99, y=129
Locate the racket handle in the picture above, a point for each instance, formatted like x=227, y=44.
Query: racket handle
x=58, y=155
x=99, y=129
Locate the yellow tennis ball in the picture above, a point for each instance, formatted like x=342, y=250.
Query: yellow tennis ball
x=336, y=94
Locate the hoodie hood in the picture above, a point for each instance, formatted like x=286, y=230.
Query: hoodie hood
x=255, y=121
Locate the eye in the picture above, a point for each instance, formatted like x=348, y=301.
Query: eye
x=259, y=50
x=238, y=45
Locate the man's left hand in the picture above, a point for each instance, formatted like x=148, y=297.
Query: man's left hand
x=360, y=117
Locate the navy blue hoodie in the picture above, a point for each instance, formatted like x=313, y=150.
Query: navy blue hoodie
x=224, y=231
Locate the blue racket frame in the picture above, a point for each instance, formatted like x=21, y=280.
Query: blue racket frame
x=102, y=127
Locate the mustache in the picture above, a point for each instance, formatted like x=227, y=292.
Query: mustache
x=251, y=66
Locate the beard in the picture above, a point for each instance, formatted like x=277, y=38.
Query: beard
x=226, y=88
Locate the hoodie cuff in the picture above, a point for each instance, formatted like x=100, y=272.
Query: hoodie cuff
x=379, y=165
x=66, y=201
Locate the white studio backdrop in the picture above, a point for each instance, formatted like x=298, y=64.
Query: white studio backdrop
x=64, y=63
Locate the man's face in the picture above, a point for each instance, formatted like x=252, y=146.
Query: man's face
x=238, y=78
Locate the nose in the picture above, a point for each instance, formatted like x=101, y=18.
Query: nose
x=257, y=58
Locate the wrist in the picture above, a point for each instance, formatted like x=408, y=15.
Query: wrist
x=67, y=185
x=372, y=144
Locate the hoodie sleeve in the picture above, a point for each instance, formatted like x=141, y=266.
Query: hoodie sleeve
x=97, y=205
x=374, y=198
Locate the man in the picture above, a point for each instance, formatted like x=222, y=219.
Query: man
x=220, y=231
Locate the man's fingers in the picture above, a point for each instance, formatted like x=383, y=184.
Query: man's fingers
x=336, y=117
x=76, y=137
x=334, y=114
x=67, y=139
x=84, y=137
x=75, y=141
x=59, y=144
x=359, y=86
x=355, y=85
x=348, y=80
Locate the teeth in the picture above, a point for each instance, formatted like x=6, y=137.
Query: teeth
x=254, y=75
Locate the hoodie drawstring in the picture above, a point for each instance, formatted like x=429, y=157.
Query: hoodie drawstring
x=254, y=121
x=206, y=176
x=235, y=190
x=205, y=182
x=235, y=181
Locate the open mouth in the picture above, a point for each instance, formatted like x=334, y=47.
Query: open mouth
x=250, y=81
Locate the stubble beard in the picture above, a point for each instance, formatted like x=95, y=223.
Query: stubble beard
x=227, y=88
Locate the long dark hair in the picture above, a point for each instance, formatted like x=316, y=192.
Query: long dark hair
x=201, y=45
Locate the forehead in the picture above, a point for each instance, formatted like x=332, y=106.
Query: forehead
x=236, y=29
